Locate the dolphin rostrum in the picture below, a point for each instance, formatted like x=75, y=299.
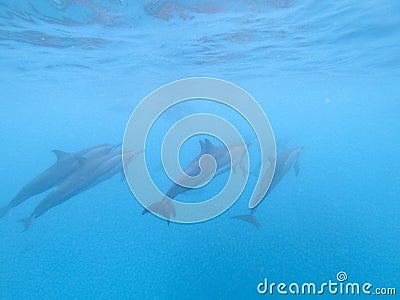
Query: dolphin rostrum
x=285, y=161
x=66, y=164
x=90, y=173
x=224, y=156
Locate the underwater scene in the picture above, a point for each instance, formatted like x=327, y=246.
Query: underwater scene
x=200, y=149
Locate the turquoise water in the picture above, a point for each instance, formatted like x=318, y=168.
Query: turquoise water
x=327, y=75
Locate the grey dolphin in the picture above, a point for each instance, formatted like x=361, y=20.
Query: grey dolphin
x=90, y=173
x=66, y=164
x=222, y=156
x=285, y=161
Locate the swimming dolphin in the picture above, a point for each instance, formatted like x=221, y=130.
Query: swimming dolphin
x=90, y=173
x=66, y=164
x=285, y=161
x=224, y=156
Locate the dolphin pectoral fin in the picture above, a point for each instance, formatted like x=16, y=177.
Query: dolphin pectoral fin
x=60, y=154
x=164, y=208
x=171, y=208
x=27, y=222
x=296, y=168
x=250, y=218
x=4, y=210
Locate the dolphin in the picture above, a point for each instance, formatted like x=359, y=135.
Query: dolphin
x=225, y=157
x=90, y=173
x=285, y=161
x=66, y=164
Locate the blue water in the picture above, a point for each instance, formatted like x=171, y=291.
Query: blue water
x=327, y=75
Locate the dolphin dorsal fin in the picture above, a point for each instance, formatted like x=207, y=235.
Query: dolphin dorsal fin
x=208, y=145
x=81, y=160
x=202, y=147
x=60, y=154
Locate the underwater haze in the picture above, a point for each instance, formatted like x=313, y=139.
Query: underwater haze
x=327, y=75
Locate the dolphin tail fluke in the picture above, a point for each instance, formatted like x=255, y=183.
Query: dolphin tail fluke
x=249, y=218
x=4, y=210
x=27, y=222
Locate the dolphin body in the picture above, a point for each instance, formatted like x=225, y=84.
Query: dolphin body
x=90, y=173
x=66, y=164
x=222, y=156
x=285, y=161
